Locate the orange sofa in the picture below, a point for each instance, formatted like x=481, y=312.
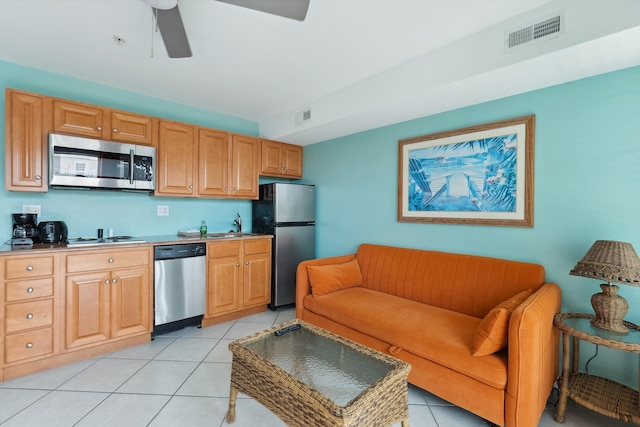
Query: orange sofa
x=477, y=331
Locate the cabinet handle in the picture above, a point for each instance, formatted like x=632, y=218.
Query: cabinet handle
x=29, y=345
x=191, y=187
x=115, y=129
x=226, y=188
x=235, y=188
x=99, y=128
x=107, y=281
x=246, y=263
x=238, y=265
x=110, y=260
x=38, y=177
x=29, y=268
x=29, y=316
x=114, y=281
x=29, y=290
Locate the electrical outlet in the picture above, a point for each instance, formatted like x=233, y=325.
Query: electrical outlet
x=162, y=210
x=36, y=209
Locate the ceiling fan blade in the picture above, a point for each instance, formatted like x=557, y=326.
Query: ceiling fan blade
x=173, y=32
x=294, y=9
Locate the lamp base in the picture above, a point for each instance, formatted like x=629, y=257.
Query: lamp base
x=610, y=310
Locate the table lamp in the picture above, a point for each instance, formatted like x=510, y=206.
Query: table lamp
x=610, y=261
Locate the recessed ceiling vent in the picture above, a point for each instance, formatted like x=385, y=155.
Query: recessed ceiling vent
x=303, y=116
x=542, y=30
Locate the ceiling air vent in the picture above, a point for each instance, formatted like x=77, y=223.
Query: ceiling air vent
x=303, y=116
x=545, y=29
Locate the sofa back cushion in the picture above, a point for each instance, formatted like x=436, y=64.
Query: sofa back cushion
x=468, y=284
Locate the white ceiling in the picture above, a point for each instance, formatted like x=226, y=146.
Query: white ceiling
x=357, y=64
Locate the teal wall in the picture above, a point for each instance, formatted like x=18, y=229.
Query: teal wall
x=125, y=213
x=587, y=173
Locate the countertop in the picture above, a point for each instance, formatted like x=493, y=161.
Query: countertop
x=6, y=249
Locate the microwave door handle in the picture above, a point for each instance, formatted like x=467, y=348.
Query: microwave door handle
x=131, y=165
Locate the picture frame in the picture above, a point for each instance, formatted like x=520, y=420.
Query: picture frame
x=478, y=175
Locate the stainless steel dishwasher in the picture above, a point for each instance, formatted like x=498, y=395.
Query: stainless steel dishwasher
x=180, y=286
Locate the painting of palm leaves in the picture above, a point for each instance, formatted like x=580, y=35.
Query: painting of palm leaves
x=480, y=174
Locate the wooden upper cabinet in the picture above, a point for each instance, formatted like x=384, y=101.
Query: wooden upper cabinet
x=280, y=159
x=245, y=166
x=26, y=124
x=79, y=119
x=75, y=118
x=214, y=160
x=133, y=128
x=176, y=160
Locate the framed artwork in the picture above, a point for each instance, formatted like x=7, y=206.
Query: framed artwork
x=476, y=175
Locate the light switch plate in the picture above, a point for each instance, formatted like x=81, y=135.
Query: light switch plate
x=36, y=209
x=162, y=210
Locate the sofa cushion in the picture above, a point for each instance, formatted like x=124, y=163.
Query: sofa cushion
x=442, y=336
x=492, y=333
x=330, y=278
x=468, y=284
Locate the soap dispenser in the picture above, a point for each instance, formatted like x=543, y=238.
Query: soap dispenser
x=203, y=228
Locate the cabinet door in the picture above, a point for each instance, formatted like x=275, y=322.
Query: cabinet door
x=214, y=158
x=79, y=119
x=223, y=276
x=133, y=128
x=176, y=157
x=270, y=158
x=87, y=309
x=256, y=280
x=130, y=302
x=223, y=289
x=25, y=142
x=292, y=160
x=245, y=166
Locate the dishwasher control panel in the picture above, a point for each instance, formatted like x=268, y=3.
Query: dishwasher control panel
x=183, y=250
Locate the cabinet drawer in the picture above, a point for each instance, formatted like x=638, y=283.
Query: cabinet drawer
x=28, y=289
x=23, y=268
x=106, y=260
x=28, y=344
x=257, y=246
x=28, y=315
x=223, y=249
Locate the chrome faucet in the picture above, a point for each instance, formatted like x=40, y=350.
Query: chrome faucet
x=238, y=222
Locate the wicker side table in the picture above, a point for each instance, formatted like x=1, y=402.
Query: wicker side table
x=599, y=394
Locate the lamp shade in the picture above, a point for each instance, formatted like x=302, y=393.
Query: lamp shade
x=611, y=261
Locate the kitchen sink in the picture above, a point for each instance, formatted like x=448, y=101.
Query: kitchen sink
x=227, y=235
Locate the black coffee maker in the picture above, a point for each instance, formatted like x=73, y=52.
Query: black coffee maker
x=25, y=232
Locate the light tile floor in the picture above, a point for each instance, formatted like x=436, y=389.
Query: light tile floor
x=182, y=379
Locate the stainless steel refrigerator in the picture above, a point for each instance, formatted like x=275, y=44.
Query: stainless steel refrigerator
x=288, y=212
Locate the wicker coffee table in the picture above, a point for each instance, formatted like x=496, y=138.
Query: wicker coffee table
x=311, y=377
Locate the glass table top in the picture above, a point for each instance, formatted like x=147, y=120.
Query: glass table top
x=584, y=325
x=337, y=371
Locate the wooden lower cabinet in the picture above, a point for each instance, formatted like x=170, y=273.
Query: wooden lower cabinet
x=65, y=306
x=107, y=296
x=27, y=309
x=238, y=279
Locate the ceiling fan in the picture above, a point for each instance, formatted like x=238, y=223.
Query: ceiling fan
x=171, y=27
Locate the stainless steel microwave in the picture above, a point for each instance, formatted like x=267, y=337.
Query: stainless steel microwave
x=92, y=163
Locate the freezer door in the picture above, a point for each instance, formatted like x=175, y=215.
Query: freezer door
x=292, y=245
x=294, y=203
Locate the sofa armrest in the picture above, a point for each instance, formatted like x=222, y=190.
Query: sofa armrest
x=533, y=356
x=303, y=287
